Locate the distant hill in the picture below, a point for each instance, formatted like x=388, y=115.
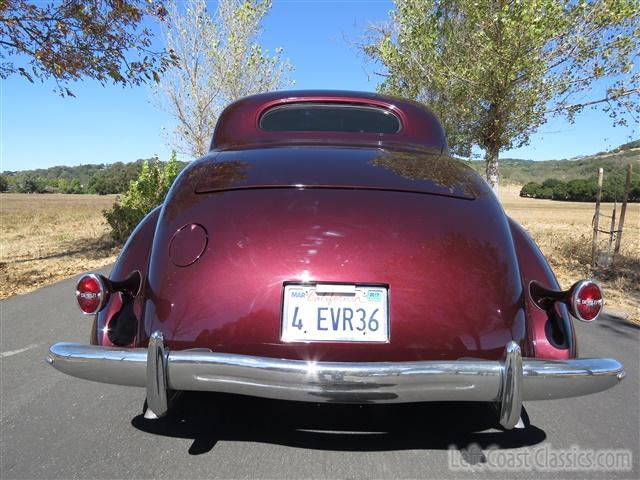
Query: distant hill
x=90, y=178
x=614, y=162
x=115, y=177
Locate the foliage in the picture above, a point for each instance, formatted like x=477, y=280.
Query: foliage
x=614, y=162
x=115, y=179
x=218, y=60
x=581, y=190
x=71, y=39
x=101, y=185
x=70, y=186
x=494, y=71
x=30, y=184
x=4, y=183
x=52, y=175
x=90, y=178
x=144, y=194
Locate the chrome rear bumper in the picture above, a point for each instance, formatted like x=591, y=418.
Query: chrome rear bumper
x=507, y=382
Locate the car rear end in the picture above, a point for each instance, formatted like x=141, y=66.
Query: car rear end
x=329, y=249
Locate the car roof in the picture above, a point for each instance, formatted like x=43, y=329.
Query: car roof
x=239, y=124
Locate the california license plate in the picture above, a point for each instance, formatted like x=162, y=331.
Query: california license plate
x=335, y=313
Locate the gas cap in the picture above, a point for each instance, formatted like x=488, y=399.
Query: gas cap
x=188, y=245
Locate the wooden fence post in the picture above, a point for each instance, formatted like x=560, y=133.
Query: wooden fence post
x=596, y=219
x=623, y=210
x=612, y=229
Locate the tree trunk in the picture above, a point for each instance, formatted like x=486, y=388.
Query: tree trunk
x=493, y=176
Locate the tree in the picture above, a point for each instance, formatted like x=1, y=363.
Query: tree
x=560, y=191
x=100, y=184
x=218, y=60
x=70, y=186
x=551, y=183
x=71, y=39
x=144, y=194
x=496, y=70
x=4, y=183
x=30, y=184
x=530, y=190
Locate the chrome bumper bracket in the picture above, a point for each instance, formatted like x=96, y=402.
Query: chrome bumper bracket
x=510, y=405
x=157, y=393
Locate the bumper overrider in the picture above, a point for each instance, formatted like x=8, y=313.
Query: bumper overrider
x=507, y=382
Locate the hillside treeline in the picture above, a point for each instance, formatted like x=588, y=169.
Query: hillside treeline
x=571, y=180
x=576, y=180
x=99, y=179
x=581, y=190
x=614, y=162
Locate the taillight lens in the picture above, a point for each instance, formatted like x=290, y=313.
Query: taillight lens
x=586, y=300
x=91, y=294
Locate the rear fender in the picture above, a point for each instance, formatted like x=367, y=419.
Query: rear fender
x=551, y=334
x=120, y=320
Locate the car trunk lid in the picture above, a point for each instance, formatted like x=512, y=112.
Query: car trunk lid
x=333, y=167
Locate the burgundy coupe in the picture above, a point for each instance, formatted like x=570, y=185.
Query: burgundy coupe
x=329, y=249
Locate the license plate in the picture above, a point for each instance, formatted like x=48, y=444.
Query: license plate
x=332, y=312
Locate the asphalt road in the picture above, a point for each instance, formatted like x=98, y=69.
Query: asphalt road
x=55, y=426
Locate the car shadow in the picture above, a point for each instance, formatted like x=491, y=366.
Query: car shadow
x=207, y=418
x=617, y=324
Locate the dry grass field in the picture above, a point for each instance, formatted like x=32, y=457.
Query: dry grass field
x=49, y=237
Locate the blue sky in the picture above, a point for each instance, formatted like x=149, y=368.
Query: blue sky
x=107, y=124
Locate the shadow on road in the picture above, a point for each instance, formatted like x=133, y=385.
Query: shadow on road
x=617, y=324
x=208, y=418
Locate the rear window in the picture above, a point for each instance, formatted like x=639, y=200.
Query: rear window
x=322, y=117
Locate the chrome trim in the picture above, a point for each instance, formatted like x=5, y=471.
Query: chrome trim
x=118, y=366
x=157, y=376
x=552, y=379
x=511, y=387
x=340, y=382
